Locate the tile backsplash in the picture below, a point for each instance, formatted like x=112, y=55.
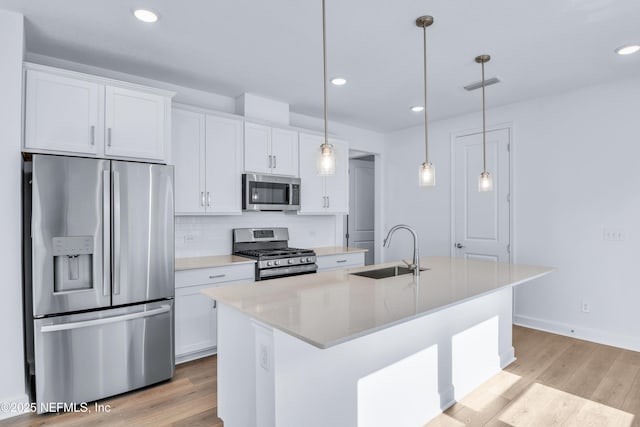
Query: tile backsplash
x=211, y=235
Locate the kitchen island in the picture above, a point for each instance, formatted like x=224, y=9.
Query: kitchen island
x=338, y=349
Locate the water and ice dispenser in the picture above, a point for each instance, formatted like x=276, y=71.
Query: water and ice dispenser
x=73, y=263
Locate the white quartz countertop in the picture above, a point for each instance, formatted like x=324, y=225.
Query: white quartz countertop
x=337, y=250
x=332, y=307
x=210, y=261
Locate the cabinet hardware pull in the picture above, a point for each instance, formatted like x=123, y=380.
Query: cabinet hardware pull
x=215, y=304
x=109, y=137
x=93, y=135
x=202, y=198
x=270, y=161
x=217, y=276
x=341, y=261
x=328, y=202
x=208, y=198
x=275, y=162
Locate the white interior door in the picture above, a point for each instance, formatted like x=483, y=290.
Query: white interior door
x=482, y=220
x=361, y=218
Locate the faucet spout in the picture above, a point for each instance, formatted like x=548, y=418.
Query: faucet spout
x=415, y=265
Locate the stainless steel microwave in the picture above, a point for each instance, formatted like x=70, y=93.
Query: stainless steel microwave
x=270, y=193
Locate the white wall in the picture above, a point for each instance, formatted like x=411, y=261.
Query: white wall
x=12, y=370
x=576, y=159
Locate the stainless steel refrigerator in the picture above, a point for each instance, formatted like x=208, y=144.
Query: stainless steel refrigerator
x=99, y=277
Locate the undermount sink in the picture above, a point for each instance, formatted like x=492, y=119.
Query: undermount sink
x=383, y=273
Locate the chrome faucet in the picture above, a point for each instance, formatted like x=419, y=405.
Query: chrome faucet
x=415, y=265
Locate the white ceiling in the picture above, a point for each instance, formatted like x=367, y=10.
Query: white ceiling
x=273, y=48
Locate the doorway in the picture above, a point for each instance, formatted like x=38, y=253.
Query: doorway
x=360, y=223
x=482, y=220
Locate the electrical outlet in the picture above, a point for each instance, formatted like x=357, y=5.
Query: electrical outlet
x=189, y=238
x=585, y=307
x=613, y=234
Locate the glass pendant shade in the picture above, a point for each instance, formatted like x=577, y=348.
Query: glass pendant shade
x=326, y=160
x=485, y=182
x=427, y=175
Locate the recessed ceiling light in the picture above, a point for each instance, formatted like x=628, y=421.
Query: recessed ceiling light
x=417, y=108
x=628, y=49
x=339, y=81
x=145, y=15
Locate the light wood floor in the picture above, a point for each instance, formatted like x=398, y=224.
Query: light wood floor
x=556, y=381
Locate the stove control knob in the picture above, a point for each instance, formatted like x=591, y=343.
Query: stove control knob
x=269, y=263
x=291, y=261
x=276, y=262
x=301, y=260
x=308, y=259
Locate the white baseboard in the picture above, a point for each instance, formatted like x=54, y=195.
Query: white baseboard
x=447, y=398
x=588, y=334
x=507, y=357
x=9, y=406
x=195, y=355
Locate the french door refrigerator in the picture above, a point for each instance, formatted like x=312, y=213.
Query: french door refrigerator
x=99, y=277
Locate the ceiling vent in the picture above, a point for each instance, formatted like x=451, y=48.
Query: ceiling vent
x=478, y=85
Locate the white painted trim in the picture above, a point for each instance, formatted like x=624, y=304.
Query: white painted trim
x=588, y=334
x=188, y=357
x=21, y=401
x=509, y=126
x=507, y=357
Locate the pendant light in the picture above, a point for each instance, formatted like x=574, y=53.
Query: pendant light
x=485, y=182
x=326, y=164
x=427, y=173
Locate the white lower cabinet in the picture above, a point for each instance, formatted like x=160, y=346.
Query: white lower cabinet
x=337, y=262
x=195, y=316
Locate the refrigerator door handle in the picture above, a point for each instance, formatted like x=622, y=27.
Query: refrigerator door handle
x=106, y=233
x=116, y=232
x=96, y=322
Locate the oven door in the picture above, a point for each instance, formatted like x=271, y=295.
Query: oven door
x=270, y=193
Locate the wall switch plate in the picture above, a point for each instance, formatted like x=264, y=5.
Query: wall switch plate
x=613, y=234
x=585, y=308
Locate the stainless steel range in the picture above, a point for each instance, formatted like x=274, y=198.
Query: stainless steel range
x=270, y=247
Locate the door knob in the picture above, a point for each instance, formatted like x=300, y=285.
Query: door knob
x=459, y=245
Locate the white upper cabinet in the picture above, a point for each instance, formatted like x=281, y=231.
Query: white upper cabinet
x=207, y=155
x=224, y=165
x=323, y=194
x=73, y=113
x=188, y=157
x=62, y=113
x=270, y=150
x=257, y=148
x=284, y=152
x=135, y=124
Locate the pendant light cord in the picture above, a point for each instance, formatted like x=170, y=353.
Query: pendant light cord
x=324, y=72
x=484, y=128
x=426, y=114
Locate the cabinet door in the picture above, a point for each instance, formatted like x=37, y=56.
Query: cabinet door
x=224, y=165
x=135, y=124
x=195, y=320
x=312, y=197
x=257, y=148
x=188, y=154
x=284, y=152
x=337, y=186
x=62, y=114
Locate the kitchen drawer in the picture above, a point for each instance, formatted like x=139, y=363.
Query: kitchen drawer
x=334, y=262
x=215, y=275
